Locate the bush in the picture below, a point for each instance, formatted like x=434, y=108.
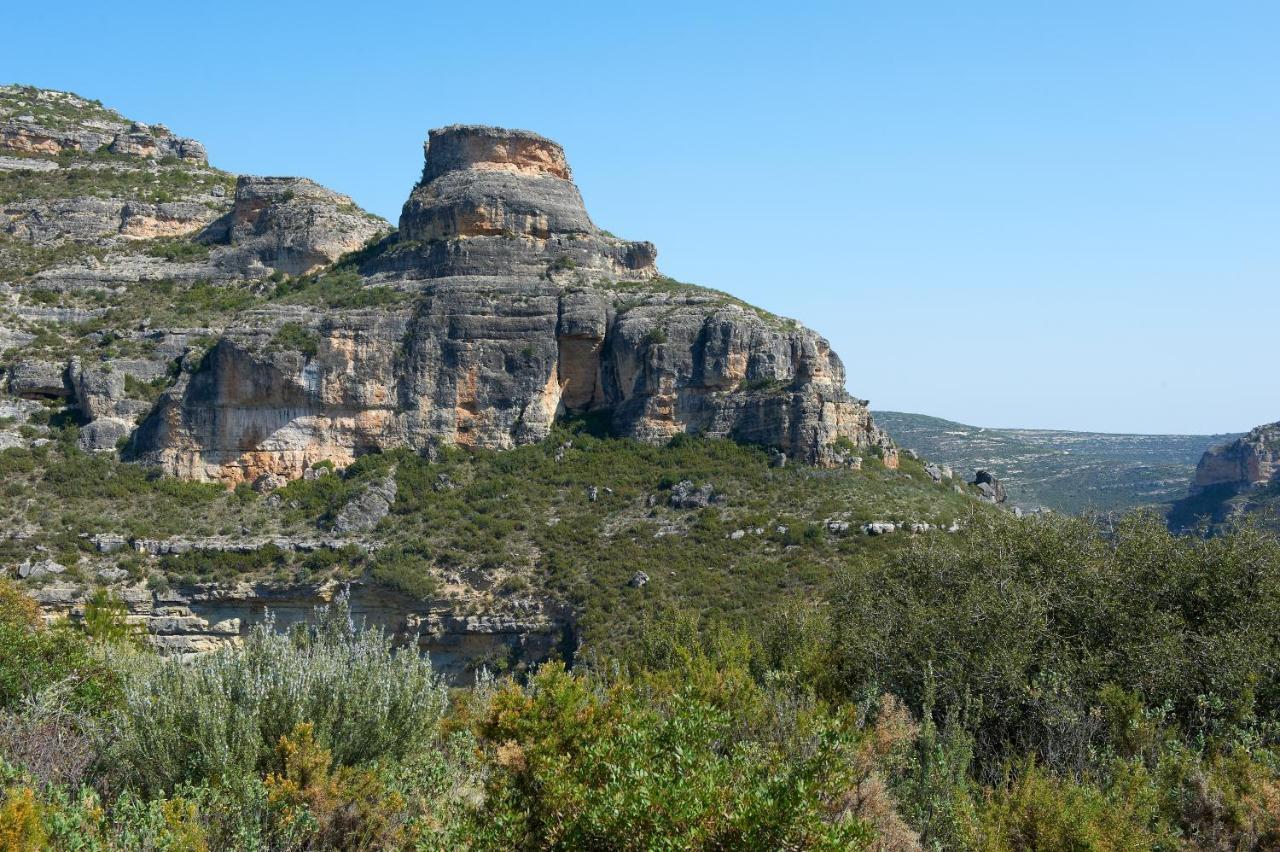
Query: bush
x=222, y=715
x=1026, y=623
x=580, y=765
x=178, y=250
x=34, y=659
x=296, y=337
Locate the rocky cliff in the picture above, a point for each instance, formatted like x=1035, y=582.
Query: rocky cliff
x=1238, y=477
x=233, y=329
x=520, y=311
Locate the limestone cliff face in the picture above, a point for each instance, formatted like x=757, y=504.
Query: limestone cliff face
x=39, y=122
x=1233, y=479
x=523, y=312
x=1244, y=463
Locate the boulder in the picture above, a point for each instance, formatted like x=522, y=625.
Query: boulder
x=33, y=378
x=686, y=495
x=104, y=434
x=365, y=511
x=30, y=570
x=989, y=487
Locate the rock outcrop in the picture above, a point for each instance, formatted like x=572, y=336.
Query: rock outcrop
x=41, y=122
x=1235, y=478
x=989, y=487
x=291, y=225
x=522, y=312
x=73, y=173
x=502, y=202
x=205, y=617
x=1247, y=462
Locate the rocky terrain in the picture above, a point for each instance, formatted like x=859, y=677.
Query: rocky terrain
x=1063, y=471
x=1233, y=479
x=517, y=310
x=226, y=394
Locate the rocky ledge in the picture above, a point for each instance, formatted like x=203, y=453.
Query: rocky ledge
x=207, y=616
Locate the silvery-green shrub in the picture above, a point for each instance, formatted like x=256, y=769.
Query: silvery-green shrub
x=220, y=716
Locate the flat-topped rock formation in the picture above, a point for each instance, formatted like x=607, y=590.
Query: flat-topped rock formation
x=523, y=311
x=499, y=202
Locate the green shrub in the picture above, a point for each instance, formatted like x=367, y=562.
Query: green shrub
x=656, y=336
x=149, y=390
x=106, y=619
x=220, y=716
x=296, y=337
x=1030, y=621
x=178, y=250
x=34, y=659
x=576, y=765
x=406, y=569
x=336, y=288
x=1035, y=810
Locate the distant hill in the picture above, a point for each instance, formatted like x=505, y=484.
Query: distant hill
x=1065, y=471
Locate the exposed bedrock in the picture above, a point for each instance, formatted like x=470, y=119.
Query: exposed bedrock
x=524, y=312
x=206, y=617
x=502, y=202
x=289, y=224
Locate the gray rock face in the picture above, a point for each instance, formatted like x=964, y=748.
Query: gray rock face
x=30, y=570
x=31, y=378
x=104, y=434
x=206, y=617
x=524, y=312
x=1244, y=463
x=1233, y=480
x=137, y=140
x=686, y=495
x=364, y=512
x=289, y=224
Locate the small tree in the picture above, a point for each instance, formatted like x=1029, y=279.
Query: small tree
x=106, y=619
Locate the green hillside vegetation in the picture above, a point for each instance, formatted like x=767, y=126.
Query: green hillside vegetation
x=521, y=517
x=1003, y=688
x=1064, y=471
x=164, y=182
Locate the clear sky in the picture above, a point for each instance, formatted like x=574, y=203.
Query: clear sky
x=1024, y=213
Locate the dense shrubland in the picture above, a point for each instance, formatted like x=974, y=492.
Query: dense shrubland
x=1029, y=684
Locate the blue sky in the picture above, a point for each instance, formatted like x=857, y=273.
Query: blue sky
x=1011, y=214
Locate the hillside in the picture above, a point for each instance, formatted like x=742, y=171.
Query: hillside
x=479, y=533
x=1062, y=470
x=499, y=422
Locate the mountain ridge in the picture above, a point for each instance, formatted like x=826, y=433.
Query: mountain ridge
x=1064, y=470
